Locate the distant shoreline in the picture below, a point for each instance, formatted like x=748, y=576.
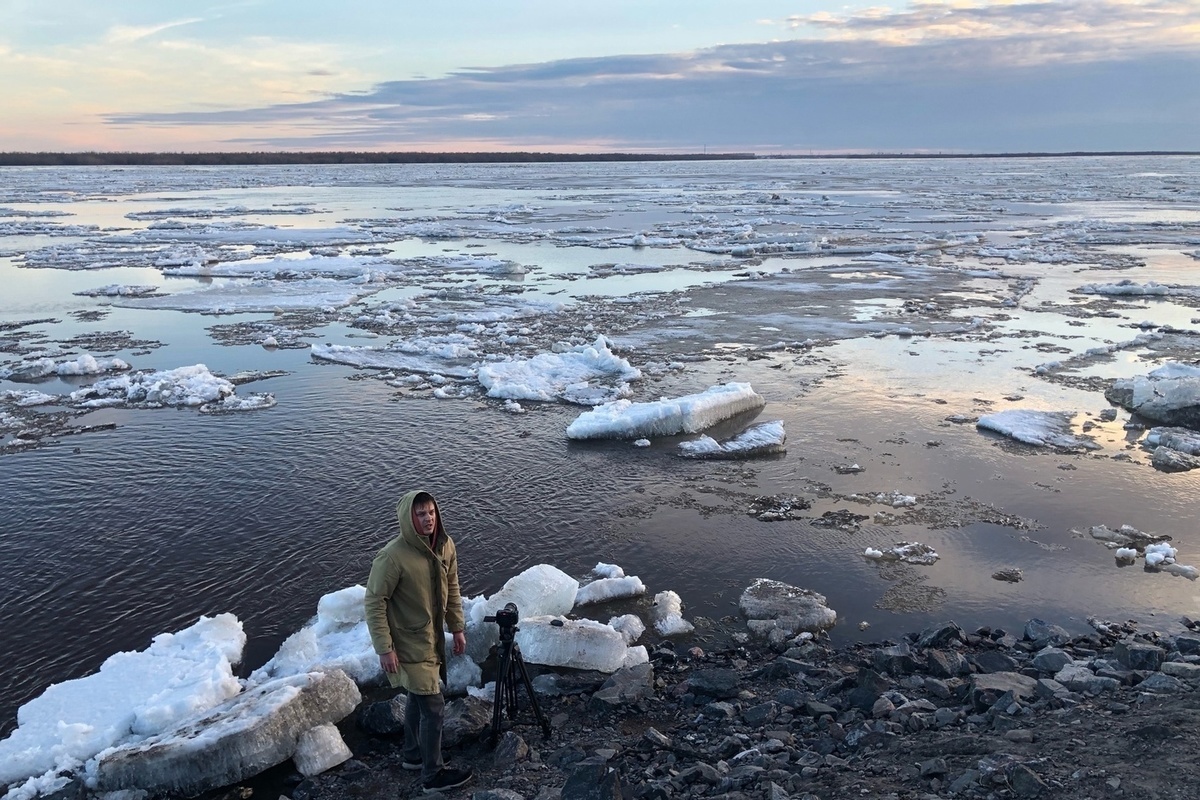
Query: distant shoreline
x=48, y=159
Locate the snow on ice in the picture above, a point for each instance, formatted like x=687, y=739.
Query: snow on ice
x=185, y=386
x=691, y=413
x=566, y=375
x=45, y=367
x=133, y=695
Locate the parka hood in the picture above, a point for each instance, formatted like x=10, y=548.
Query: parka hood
x=404, y=515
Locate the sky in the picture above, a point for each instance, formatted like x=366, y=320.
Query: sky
x=763, y=76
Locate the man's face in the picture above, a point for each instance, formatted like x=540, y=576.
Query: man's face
x=426, y=516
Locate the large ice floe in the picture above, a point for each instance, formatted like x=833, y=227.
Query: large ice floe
x=1040, y=428
x=691, y=413
x=1169, y=394
x=185, y=386
x=585, y=374
x=39, y=368
x=134, y=695
x=262, y=296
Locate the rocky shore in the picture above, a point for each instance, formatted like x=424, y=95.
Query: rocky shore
x=942, y=713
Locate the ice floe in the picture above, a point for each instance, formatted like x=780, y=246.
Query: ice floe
x=184, y=386
x=230, y=296
x=45, y=367
x=119, y=290
x=1169, y=394
x=765, y=438
x=133, y=695
x=692, y=413
x=1040, y=428
x=585, y=375
x=908, y=552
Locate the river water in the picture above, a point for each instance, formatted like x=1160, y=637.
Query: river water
x=804, y=278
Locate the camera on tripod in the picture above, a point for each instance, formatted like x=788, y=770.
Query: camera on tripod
x=511, y=670
x=506, y=618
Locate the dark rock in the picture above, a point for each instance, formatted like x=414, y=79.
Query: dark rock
x=940, y=635
x=760, y=714
x=593, y=782
x=497, y=794
x=1163, y=684
x=870, y=685
x=74, y=790
x=571, y=683
x=1188, y=645
x=947, y=664
x=1078, y=678
x=993, y=661
x=1042, y=633
x=988, y=688
x=566, y=756
x=815, y=708
x=1051, y=660
x=719, y=682
x=791, y=698
x=1025, y=782
x=511, y=749
x=1139, y=655
x=466, y=719
x=625, y=686
x=719, y=710
x=385, y=718
x=933, y=767
x=897, y=660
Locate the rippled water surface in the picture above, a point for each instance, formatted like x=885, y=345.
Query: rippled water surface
x=112, y=536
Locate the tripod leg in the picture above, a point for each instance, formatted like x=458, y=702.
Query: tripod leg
x=537, y=711
x=498, y=697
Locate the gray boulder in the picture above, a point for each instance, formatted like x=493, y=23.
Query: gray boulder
x=988, y=688
x=1043, y=633
x=1079, y=678
x=593, y=782
x=1163, y=684
x=232, y=741
x=718, y=682
x=625, y=686
x=1139, y=655
x=1051, y=660
x=466, y=718
x=897, y=660
x=771, y=605
x=940, y=635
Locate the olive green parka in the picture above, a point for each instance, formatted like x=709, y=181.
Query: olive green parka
x=412, y=597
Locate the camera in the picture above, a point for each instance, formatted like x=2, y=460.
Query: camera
x=505, y=617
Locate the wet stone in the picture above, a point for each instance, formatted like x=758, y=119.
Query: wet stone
x=1138, y=655
x=947, y=664
x=1050, y=659
x=993, y=661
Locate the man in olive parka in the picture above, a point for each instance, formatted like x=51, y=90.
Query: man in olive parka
x=412, y=597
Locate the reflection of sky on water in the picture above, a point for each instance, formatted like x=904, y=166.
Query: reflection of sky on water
x=175, y=514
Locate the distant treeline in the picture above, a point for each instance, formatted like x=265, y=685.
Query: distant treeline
x=347, y=157
x=353, y=157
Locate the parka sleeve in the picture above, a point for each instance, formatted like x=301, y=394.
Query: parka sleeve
x=454, y=611
x=381, y=584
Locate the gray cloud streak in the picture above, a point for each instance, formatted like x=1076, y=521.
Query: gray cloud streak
x=1042, y=91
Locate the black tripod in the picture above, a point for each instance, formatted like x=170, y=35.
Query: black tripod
x=511, y=665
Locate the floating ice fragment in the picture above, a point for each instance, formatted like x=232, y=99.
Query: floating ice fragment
x=667, y=614
x=605, y=589
x=567, y=375
x=688, y=414
x=1040, y=428
x=766, y=438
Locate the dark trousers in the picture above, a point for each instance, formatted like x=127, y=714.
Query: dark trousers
x=424, y=715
